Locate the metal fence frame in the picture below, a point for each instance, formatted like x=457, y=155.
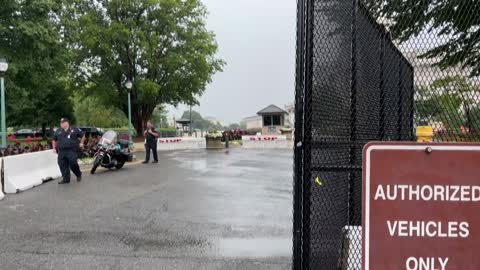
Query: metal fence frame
x=326, y=147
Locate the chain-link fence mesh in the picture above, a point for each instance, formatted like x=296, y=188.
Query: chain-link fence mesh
x=371, y=70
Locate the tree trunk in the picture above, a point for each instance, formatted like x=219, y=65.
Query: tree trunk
x=138, y=123
x=140, y=115
x=469, y=119
x=44, y=131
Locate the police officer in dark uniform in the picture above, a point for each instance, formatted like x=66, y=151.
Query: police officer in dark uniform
x=150, y=143
x=66, y=143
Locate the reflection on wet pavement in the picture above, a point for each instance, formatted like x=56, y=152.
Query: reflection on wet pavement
x=254, y=248
x=250, y=191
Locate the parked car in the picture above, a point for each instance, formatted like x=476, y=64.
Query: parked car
x=36, y=132
x=24, y=133
x=91, y=131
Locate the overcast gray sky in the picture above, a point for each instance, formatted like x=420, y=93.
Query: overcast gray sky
x=257, y=40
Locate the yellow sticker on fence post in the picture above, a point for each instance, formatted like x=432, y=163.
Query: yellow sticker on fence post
x=318, y=182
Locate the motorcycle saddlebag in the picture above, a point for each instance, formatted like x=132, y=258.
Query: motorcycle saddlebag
x=123, y=143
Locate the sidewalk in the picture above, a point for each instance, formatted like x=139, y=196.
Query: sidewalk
x=138, y=147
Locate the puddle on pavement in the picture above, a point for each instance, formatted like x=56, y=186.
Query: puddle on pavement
x=253, y=248
x=193, y=164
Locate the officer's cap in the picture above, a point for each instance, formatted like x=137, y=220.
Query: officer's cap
x=63, y=120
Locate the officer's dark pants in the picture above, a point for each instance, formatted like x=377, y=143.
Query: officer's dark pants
x=153, y=147
x=67, y=159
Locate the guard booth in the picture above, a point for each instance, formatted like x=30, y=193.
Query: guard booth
x=273, y=120
x=183, y=125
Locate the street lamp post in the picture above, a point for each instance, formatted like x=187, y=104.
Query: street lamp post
x=190, y=129
x=3, y=69
x=129, y=85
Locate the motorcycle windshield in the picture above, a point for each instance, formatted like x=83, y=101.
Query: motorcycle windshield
x=109, y=138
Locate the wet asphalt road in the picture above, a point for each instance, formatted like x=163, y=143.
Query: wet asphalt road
x=194, y=210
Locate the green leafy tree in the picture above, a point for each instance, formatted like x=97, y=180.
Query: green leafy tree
x=160, y=117
x=234, y=126
x=475, y=119
x=90, y=111
x=218, y=126
x=455, y=21
x=162, y=46
x=452, y=101
x=37, y=80
x=198, y=122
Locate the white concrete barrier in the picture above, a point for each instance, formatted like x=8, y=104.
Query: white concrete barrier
x=23, y=172
x=266, y=142
x=178, y=143
x=1, y=184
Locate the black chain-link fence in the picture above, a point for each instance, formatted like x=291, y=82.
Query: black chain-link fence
x=372, y=71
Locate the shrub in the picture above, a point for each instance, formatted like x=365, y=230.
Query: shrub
x=167, y=132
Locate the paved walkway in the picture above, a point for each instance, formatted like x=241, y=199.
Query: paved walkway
x=194, y=210
x=138, y=147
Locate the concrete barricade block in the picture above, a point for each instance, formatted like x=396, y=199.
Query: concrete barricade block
x=265, y=142
x=177, y=143
x=1, y=186
x=23, y=172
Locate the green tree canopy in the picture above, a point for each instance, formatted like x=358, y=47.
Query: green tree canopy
x=451, y=101
x=162, y=46
x=90, y=111
x=234, y=126
x=160, y=117
x=198, y=122
x=455, y=21
x=36, y=81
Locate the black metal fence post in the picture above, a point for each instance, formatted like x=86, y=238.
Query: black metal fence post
x=307, y=134
x=298, y=138
x=353, y=111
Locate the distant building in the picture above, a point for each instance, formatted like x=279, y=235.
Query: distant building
x=253, y=123
x=273, y=119
x=426, y=72
x=183, y=124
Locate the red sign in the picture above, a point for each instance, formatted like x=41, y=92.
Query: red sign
x=421, y=206
x=172, y=140
x=263, y=138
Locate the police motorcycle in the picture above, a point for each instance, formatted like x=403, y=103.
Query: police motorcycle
x=111, y=153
